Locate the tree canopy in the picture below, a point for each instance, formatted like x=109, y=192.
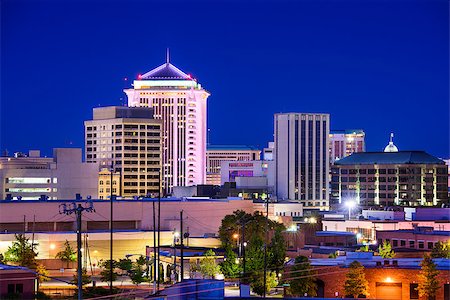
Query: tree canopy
x=385, y=250
x=303, y=280
x=21, y=252
x=356, y=283
x=208, y=265
x=428, y=278
x=441, y=250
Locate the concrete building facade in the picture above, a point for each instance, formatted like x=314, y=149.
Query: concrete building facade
x=216, y=154
x=127, y=139
x=180, y=102
x=62, y=176
x=345, y=142
x=409, y=178
x=302, y=159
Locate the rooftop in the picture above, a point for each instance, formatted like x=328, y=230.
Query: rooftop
x=231, y=147
x=386, y=158
x=165, y=71
x=348, y=131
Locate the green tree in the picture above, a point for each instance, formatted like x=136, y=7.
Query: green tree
x=254, y=254
x=356, y=283
x=208, y=265
x=21, y=252
x=68, y=254
x=385, y=250
x=304, y=280
x=125, y=264
x=85, y=278
x=137, y=271
x=43, y=273
x=441, y=250
x=277, y=250
x=428, y=278
x=364, y=248
x=106, y=270
x=257, y=282
x=229, y=267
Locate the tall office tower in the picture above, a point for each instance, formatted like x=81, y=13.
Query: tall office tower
x=345, y=142
x=129, y=139
x=219, y=153
x=180, y=102
x=301, y=158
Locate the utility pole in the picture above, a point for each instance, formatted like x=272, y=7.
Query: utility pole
x=155, y=267
x=181, y=246
x=111, y=234
x=265, y=247
x=159, y=225
x=78, y=210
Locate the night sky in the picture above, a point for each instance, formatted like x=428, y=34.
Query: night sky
x=380, y=66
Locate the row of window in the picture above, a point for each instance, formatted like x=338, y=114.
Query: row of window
x=126, y=126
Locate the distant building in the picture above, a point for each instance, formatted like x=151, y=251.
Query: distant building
x=179, y=101
x=409, y=178
x=302, y=158
x=345, y=142
x=418, y=238
x=268, y=151
x=215, y=154
x=127, y=139
x=62, y=176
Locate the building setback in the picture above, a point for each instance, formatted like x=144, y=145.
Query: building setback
x=128, y=139
x=220, y=153
x=62, y=176
x=180, y=102
x=302, y=159
x=412, y=178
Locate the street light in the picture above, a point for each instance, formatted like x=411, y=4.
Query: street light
x=350, y=205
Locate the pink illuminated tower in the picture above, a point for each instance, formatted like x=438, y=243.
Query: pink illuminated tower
x=180, y=102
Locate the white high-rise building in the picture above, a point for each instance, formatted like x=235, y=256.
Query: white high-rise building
x=346, y=142
x=180, y=102
x=301, y=158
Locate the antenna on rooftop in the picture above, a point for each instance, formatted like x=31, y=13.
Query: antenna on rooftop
x=167, y=56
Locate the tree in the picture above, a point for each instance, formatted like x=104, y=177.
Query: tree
x=356, y=283
x=21, y=252
x=106, y=270
x=386, y=251
x=43, y=274
x=2, y=259
x=428, y=281
x=125, y=264
x=68, y=254
x=277, y=250
x=137, y=273
x=441, y=250
x=229, y=267
x=364, y=248
x=304, y=280
x=257, y=282
x=208, y=265
x=85, y=278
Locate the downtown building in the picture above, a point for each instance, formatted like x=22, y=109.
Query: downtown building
x=216, y=154
x=179, y=101
x=345, y=142
x=390, y=178
x=302, y=159
x=124, y=141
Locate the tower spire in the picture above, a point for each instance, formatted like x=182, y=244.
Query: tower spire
x=392, y=138
x=167, y=56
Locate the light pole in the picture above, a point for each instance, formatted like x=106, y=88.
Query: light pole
x=176, y=234
x=350, y=205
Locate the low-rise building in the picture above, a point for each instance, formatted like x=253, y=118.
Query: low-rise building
x=394, y=279
x=17, y=282
x=419, y=238
x=62, y=176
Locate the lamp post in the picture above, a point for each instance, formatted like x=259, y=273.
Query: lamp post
x=176, y=234
x=350, y=205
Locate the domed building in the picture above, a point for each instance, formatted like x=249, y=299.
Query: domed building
x=391, y=147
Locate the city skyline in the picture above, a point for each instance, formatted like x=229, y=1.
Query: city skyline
x=378, y=80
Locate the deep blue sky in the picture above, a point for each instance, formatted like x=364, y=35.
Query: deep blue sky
x=377, y=65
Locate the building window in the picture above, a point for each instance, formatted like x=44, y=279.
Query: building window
x=411, y=244
x=413, y=292
x=402, y=243
x=430, y=245
x=421, y=244
x=16, y=288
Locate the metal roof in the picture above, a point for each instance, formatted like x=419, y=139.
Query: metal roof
x=386, y=158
